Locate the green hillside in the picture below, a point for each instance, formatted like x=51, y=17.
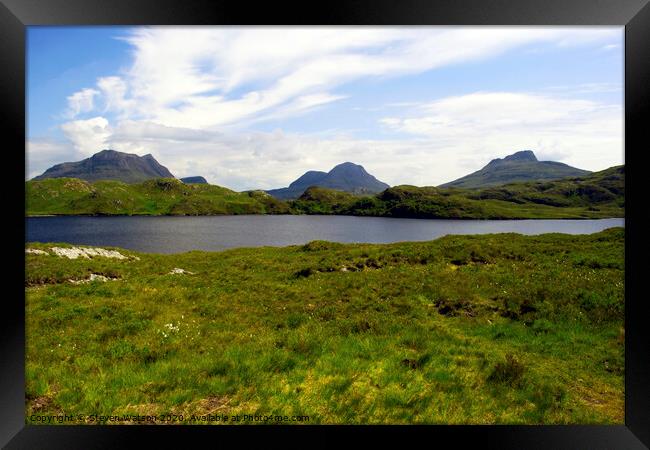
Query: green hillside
x=598, y=195
x=162, y=196
x=318, y=200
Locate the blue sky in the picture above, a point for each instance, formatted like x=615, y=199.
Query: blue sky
x=251, y=107
x=59, y=61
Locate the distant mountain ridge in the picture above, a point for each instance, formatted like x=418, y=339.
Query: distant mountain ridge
x=521, y=166
x=194, y=180
x=347, y=177
x=110, y=165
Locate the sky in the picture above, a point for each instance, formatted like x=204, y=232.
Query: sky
x=256, y=107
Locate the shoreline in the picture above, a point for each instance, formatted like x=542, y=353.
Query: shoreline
x=28, y=216
x=338, y=244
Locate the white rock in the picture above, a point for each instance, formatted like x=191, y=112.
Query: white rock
x=176, y=271
x=86, y=252
x=35, y=251
x=93, y=277
x=97, y=277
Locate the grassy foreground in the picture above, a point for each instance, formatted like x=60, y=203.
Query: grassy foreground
x=497, y=328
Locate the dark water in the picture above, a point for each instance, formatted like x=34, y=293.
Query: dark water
x=181, y=234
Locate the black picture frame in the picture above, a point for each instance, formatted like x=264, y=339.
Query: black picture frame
x=634, y=15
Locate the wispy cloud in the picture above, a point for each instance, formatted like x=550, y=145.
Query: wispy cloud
x=211, y=76
x=80, y=102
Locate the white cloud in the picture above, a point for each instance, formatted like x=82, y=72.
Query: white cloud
x=142, y=130
x=88, y=136
x=114, y=92
x=485, y=113
x=81, y=102
x=201, y=77
x=296, y=107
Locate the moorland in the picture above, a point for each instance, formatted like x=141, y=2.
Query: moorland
x=498, y=328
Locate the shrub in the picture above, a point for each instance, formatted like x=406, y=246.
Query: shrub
x=546, y=397
x=304, y=273
x=509, y=372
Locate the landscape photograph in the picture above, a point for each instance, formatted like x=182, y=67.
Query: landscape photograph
x=324, y=225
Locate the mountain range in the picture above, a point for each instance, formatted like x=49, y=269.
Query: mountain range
x=519, y=167
x=348, y=177
x=522, y=166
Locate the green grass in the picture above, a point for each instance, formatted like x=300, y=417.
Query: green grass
x=464, y=329
x=597, y=195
